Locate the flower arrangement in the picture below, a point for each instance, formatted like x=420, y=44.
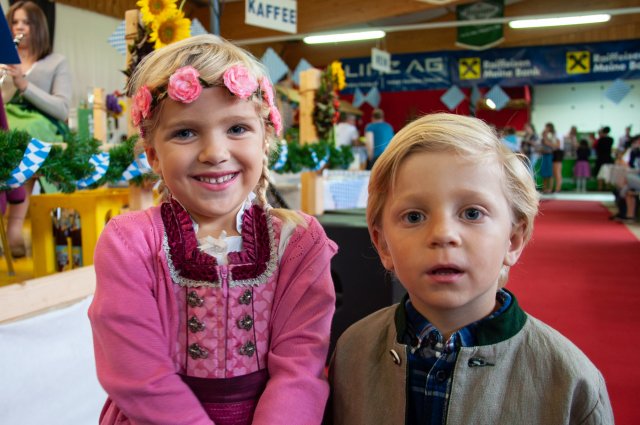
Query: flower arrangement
x=162, y=22
x=325, y=112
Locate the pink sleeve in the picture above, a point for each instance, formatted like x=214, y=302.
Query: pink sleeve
x=297, y=389
x=131, y=328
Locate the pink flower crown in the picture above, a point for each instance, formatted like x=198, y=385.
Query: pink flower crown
x=185, y=85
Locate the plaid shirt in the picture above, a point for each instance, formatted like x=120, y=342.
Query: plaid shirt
x=431, y=361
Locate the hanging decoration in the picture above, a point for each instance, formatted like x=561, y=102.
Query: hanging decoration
x=80, y=165
x=325, y=112
x=372, y=97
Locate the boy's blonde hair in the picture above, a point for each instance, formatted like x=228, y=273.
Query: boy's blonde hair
x=211, y=56
x=468, y=137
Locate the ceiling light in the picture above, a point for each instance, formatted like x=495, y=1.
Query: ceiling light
x=339, y=38
x=554, y=22
x=490, y=103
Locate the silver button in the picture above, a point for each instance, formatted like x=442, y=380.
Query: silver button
x=194, y=300
x=197, y=352
x=245, y=298
x=248, y=349
x=245, y=323
x=195, y=325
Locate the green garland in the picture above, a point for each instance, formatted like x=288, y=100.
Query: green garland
x=63, y=167
x=300, y=158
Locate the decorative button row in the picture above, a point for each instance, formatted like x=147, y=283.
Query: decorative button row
x=195, y=325
x=248, y=349
x=245, y=323
x=246, y=297
x=194, y=300
x=197, y=352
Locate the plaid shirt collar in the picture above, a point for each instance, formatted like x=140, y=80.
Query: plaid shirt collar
x=423, y=336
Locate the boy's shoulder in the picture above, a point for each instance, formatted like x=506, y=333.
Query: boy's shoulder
x=544, y=342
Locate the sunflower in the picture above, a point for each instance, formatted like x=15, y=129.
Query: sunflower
x=153, y=10
x=170, y=28
x=337, y=75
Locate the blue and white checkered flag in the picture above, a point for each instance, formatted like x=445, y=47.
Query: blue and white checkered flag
x=117, y=40
x=100, y=162
x=276, y=67
x=34, y=156
x=319, y=163
x=617, y=91
x=303, y=65
x=282, y=157
x=452, y=97
x=498, y=96
x=138, y=167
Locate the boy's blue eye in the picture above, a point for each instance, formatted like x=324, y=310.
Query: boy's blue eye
x=472, y=214
x=413, y=217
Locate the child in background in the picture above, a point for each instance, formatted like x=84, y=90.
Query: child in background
x=212, y=307
x=582, y=169
x=450, y=210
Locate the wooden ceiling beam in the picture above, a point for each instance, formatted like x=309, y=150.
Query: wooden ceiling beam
x=322, y=15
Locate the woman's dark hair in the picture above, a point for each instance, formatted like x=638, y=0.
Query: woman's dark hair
x=38, y=28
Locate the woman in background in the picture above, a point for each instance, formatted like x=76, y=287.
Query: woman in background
x=38, y=96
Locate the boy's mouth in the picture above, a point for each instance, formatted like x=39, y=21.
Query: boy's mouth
x=444, y=270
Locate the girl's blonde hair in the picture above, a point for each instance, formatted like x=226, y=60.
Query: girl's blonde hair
x=211, y=56
x=468, y=137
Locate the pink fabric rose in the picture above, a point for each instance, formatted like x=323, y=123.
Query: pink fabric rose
x=141, y=105
x=184, y=85
x=240, y=82
x=276, y=119
x=267, y=90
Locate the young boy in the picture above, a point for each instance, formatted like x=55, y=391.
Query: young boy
x=450, y=210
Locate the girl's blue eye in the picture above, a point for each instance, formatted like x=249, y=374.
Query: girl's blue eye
x=414, y=217
x=472, y=214
x=237, y=130
x=184, y=133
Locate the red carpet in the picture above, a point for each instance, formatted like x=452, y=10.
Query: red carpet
x=581, y=275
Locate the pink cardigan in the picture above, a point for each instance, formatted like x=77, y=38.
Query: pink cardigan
x=135, y=320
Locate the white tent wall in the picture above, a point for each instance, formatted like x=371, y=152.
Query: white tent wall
x=585, y=106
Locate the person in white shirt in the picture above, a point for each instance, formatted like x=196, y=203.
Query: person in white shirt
x=346, y=131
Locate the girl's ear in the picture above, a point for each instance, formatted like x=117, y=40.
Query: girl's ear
x=516, y=244
x=380, y=242
x=152, y=158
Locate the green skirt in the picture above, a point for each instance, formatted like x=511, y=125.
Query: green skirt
x=35, y=123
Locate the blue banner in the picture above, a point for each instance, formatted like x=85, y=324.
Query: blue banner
x=509, y=67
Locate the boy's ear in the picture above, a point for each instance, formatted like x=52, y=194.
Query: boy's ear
x=380, y=242
x=153, y=160
x=516, y=244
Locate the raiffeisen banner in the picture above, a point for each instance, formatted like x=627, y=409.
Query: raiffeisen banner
x=507, y=67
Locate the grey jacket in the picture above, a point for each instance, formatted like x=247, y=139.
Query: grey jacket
x=49, y=88
x=521, y=372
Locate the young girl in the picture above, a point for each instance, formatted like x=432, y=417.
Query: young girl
x=582, y=169
x=212, y=307
x=550, y=155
